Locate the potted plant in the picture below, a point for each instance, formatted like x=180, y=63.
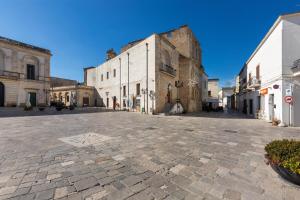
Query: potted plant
x=42, y=106
x=284, y=157
x=59, y=106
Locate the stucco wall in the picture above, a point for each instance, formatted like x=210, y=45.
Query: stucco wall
x=108, y=88
x=14, y=78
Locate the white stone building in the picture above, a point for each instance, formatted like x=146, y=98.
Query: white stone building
x=151, y=66
x=272, y=72
x=24, y=74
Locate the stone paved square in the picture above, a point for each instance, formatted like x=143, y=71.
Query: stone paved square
x=120, y=155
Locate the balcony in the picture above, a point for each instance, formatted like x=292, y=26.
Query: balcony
x=9, y=74
x=167, y=69
x=296, y=68
x=254, y=82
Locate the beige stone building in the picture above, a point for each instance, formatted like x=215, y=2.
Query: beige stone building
x=24, y=74
x=213, y=93
x=145, y=75
x=79, y=95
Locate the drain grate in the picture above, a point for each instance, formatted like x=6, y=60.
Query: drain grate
x=230, y=131
x=189, y=130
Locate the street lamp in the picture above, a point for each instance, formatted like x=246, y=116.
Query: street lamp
x=144, y=92
x=152, y=97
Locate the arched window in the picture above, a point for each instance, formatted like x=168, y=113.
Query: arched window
x=2, y=58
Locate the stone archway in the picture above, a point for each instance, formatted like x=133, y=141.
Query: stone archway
x=2, y=94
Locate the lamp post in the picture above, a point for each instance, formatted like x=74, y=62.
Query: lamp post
x=147, y=73
x=152, y=97
x=128, y=83
x=144, y=92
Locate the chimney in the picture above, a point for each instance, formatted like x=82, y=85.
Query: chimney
x=110, y=54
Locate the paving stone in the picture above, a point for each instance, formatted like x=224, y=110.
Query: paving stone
x=21, y=191
x=64, y=164
x=44, y=195
x=53, y=176
x=61, y=192
x=170, y=159
x=131, y=180
x=97, y=195
x=7, y=190
x=85, y=183
x=105, y=181
x=232, y=195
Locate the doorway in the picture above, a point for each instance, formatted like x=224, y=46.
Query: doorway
x=251, y=106
x=114, y=102
x=271, y=107
x=85, y=101
x=107, y=102
x=245, y=106
x=2, y=94
x=32, y=98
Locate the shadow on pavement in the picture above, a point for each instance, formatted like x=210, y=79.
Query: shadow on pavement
x=19, y=112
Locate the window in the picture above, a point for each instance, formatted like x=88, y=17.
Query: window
x=124, y=90
x=257, y=72
x=138, y=89
x=107, y=75
x=209, y=93
x=169, y=34
x=115, y=72
x=101, y=77
x=68, y=98
x=31, y=72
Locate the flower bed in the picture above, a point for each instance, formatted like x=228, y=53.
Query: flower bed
x=284, y=157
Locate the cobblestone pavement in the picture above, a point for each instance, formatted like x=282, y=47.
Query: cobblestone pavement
x=138, y=157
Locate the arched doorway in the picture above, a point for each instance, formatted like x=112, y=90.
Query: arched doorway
x=2, y=94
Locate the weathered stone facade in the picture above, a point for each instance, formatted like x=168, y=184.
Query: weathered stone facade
x=24, y=73
x=169, y=57
x=79, y=95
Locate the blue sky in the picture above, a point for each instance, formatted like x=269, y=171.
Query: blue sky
x=79, y=32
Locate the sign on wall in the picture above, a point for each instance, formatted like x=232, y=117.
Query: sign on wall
x=288, y=99
x=264, y=91
x=288, y=92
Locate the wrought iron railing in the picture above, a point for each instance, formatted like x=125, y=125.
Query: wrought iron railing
x=254, y=82
x=168, y=69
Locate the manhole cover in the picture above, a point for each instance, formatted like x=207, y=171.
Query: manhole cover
x=85, y=139
x=230, y=131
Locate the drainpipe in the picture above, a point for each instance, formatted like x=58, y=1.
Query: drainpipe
x=120, y=86
x=147, y=74
x=128, y=83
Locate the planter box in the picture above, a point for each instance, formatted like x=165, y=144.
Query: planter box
x=286, y=174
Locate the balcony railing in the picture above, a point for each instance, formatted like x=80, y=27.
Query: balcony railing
x=167, y=69
x=254, y=82
x=296, y=68
x=10, y=74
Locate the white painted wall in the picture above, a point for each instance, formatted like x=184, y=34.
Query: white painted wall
x=291, y=53
x=269, y=58
x=137, y=74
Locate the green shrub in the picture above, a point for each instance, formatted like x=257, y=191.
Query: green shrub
x=285, y=153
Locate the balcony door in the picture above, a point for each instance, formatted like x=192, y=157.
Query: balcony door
x=2, y=93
